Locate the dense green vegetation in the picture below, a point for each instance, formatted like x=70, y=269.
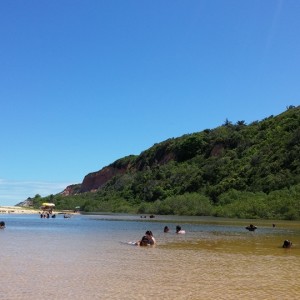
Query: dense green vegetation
x=234, y=170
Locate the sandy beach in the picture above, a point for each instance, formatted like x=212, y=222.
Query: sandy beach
x=17, y=210
x=27, y=210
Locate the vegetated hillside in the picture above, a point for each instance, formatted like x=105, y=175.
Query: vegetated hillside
x=234, y=170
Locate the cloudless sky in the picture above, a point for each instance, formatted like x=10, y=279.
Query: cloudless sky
x=84, y=83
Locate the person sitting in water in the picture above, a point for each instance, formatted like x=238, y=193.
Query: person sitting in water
x=166, y=229
x=287, y=244
x=147, y=239
x=144, y=241
x=251, y=227
x=179, y=230
x=150, y=237
x=2, y=225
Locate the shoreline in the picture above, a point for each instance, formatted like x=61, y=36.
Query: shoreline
x=25, y=210
x=17, y=210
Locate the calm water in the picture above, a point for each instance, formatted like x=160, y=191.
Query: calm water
x=88, y=257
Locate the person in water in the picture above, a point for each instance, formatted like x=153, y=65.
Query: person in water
x=144, y=241
x=2, y=225
x=166, y=229
x=251, y=227
x=147, y=240
x=179, y=230
x=150, y=237
x=287, y=244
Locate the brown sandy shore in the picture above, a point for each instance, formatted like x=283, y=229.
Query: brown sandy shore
x=17, y=210
x=25, y=210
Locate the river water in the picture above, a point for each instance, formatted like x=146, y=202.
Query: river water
x=88, y=257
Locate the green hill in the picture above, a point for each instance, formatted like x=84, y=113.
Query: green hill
x=234, y=170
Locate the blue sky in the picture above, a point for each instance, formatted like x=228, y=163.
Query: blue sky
x=83, y=83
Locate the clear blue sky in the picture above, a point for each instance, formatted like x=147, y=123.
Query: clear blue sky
x=83, y=83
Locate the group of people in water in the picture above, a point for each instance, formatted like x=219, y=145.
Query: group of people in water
x=47, y=215
x=149, y=240
x=178, y=229
x=286, y=243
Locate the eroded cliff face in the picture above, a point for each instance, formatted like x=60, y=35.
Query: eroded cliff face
x=71, y=190
x=96, y=180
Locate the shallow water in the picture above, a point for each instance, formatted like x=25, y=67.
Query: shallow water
x=88, y=257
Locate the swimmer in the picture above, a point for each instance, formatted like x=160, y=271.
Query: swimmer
x=287, y=244
x=166, y=229
x=251, y=227
x=2, y=225
x=179, y=230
